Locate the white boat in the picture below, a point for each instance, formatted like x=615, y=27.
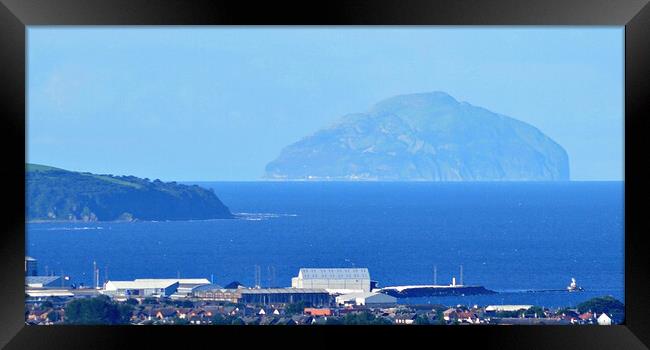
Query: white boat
x=573, y=286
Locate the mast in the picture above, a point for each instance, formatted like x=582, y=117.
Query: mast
x=461, y=275
x=95, y=274
x=435, y=275
x=258, y=276
x=97, y=278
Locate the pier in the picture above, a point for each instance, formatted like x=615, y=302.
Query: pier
x=434, y=290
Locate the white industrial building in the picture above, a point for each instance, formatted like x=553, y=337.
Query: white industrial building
x=365, y=298
x=48, y=293
x=45, y=281
x=334, y=280
x=149, y=288
x=185, y=285
x=155, y=287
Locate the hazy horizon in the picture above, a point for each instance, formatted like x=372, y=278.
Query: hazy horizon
x=216, y=104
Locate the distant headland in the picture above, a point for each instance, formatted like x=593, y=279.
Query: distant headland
x=426, y=137
x=55, y=194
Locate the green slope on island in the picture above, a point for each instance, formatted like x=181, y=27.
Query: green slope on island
x=57, y=194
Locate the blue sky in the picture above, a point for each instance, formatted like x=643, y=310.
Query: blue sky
x=218, y=103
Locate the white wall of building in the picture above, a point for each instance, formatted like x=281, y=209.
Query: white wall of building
x=333, y=279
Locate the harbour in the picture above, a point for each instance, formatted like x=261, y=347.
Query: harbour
x=316, y=296
x=316, y=286
x=434, y=290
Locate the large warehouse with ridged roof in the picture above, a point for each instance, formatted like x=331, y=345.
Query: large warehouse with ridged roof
x=334, y=280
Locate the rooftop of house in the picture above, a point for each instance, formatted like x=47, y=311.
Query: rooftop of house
x=166, y=312
x=465, y=314
x=586, y=316
x=603, y=316
x=507, y=307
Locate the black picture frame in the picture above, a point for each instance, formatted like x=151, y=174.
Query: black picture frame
x=15, y=15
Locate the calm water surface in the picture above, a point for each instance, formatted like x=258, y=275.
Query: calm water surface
x=509, y=237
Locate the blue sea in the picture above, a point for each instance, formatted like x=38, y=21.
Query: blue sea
x=509, y=237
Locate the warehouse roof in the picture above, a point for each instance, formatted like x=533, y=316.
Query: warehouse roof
x=173, y=280
x=334, y=273
x=360, y=295
x=43, y=293
x=365, y=295
x=207, y=287
x=147, y=284
x=44, y=280
x=282, y=291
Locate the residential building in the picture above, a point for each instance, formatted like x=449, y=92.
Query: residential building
x=215, y=292
x=604, y=320
x=407, y=318
x=165, y=313
x=317, y=312
x=587, y=316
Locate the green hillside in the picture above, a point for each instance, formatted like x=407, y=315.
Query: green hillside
x=57, y=194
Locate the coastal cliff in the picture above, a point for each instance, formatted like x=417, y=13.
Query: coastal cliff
x=57, y=194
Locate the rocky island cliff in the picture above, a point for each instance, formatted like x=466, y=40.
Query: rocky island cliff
x=425, y=137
